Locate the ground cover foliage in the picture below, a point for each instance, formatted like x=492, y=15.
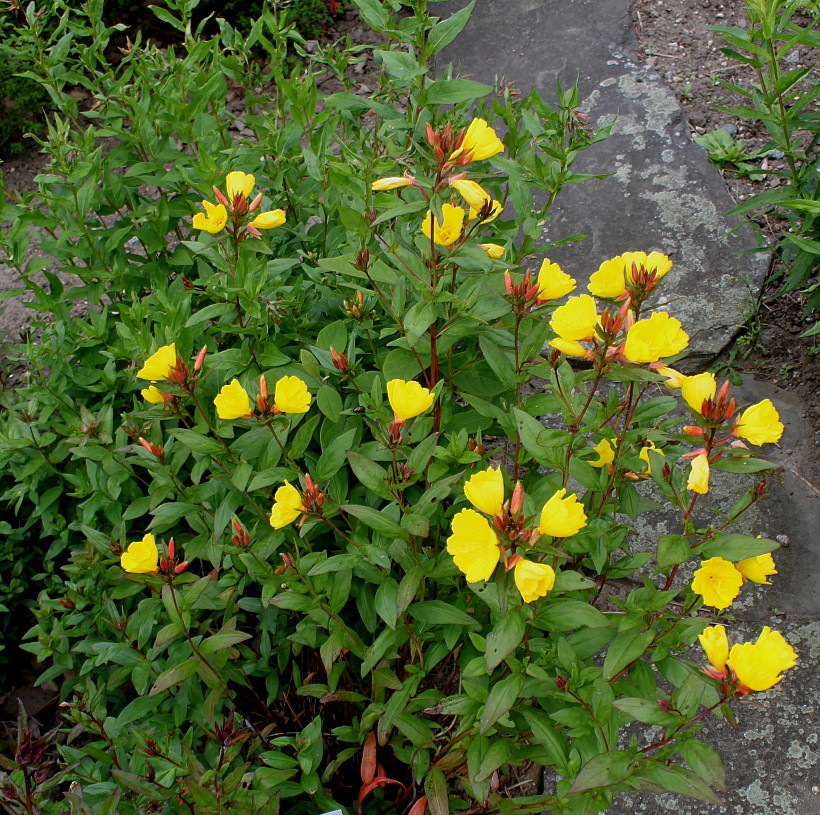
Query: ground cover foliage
x=276, y=457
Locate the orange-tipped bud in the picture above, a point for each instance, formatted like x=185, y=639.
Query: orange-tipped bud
x=236, y=525
x=286, y=559
x=181, y=567
x=255, y=203
x=240, y=203
x=693, y=430
x=263, y=388
x=517, y=499
x=729, y=410
x=171, y=549
x=723, y=392
x=512, y=560
x=220, y=197
x=200, y=358
x=508, y=284
x=430, y=135
x=339, y=360
x=252, y=230
x=153, y=449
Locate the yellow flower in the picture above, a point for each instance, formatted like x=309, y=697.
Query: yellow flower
x=553, y=281
x=238, y=182
x=472, y=192
x=657, y=261
x=152, y=394
x=447, y=232
x=608, y=281
x=291, y=395
x=572, y=348
x=757, y=569
x=659, y=336
x=141, y=557
x=233, y=401
x=699, y=474
x=606, y=454
x=287, y=506
x=760, y=665
x=408, y=399
x=270, y=219
x=479, y=142
x=485, y=490
x=473, y=545
x=716, y=645
x=159, y=364
x=760, y=423
x=697, y=389
x=674, y=379
x=562, y=517
x=493, y=250
x=718, y=581
x=495, y=211
x=644, y=455
x=214, y=218
x=392, y=182
x=576, y=319
x=533, y=580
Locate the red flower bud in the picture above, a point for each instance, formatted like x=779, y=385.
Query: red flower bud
x=200, y=358
x=255, y=203
x=517, y=498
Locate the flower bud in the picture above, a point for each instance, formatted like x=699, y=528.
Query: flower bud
x=517, y=498
x=339, y=360
x=255, y=203
x=200, y=358
x=263, y=388
x=508, y=284
x=693, y=430
x=220, y=197
x=560, y=682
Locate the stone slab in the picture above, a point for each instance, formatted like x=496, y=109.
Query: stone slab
x=663, y=193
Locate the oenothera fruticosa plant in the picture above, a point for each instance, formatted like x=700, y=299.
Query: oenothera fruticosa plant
x=326, y=552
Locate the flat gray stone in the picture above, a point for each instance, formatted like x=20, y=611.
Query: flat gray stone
x=663, y=193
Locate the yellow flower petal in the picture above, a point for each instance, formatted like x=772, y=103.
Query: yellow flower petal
x=153, y=395
x=473, y=545
x=759, y=665
x=572, y=348
x=674, y=379
x=576, y=319
x=449, y=230
x=697, y=389
x=159, y=364
x=644, y=455
x=699, y=474
x=659, y=336
x=485, y=490
x=716, y=645
x=760, y=423
x=553, y=282
x=287, y=506
x=238, y=182
x=757, y=569
x=408, y=399
x=232, y=402
x=606, y=453
x=141, y=557
x=718, y=581
x=493, y=250
x=533, y=580
x=479, y=142
x=472, y=192
x=291, y=395
x=392, y=182
x=562, y=517
x=270, y=219
x=608, y=281
x=214, y=218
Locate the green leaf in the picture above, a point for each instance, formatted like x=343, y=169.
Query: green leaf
x=546, y=734
x=680, y=780
x=175, y=675
x=453, y=91
x=435, y=788
x=222, y=640
x=672, y=549
x=736, y=547
x=197, y=442
x=504, y=638
x=501, y=360
x=386, y=601
x=625, y=649
x=498, y=753
x=377, y=520
x=603, y=770
x=135, y=783
x=445, y=31
x=645, y=710
x=329, y=402
x=503, y=695
x=564, y=614
x=333, y=456
x=705, y=761
x=370, y=474
x=743, y=464
x=437, y=612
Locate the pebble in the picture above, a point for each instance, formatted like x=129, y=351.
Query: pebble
x=730, y=128
x=776, y=154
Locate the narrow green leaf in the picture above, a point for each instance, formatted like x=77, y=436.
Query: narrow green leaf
x=503, y=695
x=504, y=638
x=175, y=675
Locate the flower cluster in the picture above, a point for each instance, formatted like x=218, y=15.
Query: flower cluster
x=290, y=395
x=452, y=152
x=477, y=546
x=718, y=580
x=750, y=666
x=234, y=205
